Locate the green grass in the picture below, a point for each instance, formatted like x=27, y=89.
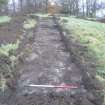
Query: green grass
x=29, y=24
x=5, y=19
x=91, y=34
x=5, y=49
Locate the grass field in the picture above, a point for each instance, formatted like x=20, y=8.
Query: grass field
x=4, y=19
x=92, y=35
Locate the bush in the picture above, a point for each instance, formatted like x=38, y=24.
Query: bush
x=29, y=24
x=7, y=63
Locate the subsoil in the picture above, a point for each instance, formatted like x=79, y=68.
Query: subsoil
x=45, y=60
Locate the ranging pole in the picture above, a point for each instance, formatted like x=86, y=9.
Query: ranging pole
x=71, y=86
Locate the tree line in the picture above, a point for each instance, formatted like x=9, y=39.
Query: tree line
x=86, y=8
x=24, y=5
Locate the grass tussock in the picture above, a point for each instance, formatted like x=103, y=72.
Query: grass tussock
x=29, y=24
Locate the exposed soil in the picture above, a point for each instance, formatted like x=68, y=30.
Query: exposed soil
x=46, y=60
x=102, y=20
x=10, y=32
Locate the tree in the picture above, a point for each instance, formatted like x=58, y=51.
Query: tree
x=14, y=8
x=46, y=6
x=21, y=5
x=83, y=7
x=94, y=8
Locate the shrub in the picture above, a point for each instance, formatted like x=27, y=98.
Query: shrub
x=29, y=24
x=7, y=62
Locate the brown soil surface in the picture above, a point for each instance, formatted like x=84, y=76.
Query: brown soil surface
x=10, y=32
x=102, y=20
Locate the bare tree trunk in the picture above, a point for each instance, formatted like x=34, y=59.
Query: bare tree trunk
x=14, y=8
x=87, y=8
x=77, y=7
x=69, y=7
x=35, y=4
x=94, y=8
x=46, y=6
x=83, y=7
x=21, y=5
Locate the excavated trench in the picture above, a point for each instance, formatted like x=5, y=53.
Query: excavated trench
x=48, y=63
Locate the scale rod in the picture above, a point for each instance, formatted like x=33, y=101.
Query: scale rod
x=54, y=86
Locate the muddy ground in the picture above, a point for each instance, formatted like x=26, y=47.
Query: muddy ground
x=44, y=60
